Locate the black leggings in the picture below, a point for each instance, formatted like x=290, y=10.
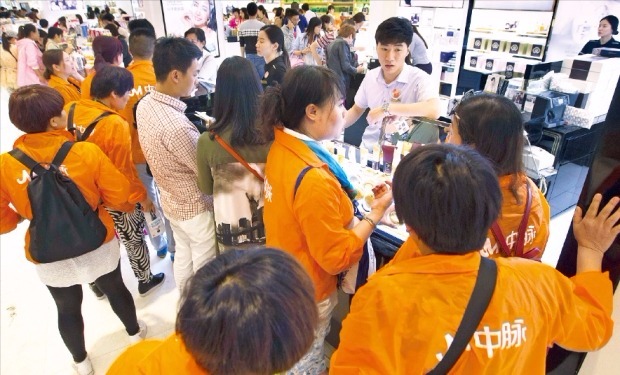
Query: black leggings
x=69, y=304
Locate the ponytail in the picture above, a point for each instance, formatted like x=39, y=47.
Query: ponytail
x=286, y=58
x=271, y=108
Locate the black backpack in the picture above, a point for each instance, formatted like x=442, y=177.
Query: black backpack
x=79, y=136
x=63, y=224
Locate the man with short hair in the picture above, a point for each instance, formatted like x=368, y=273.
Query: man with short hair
x=307, y=12
x=169, y=141
x=394, y=88
x=248, y=36
x=339, y=56
x=140, y=23
x=291, y=29
x=141, y=46
x=303, y=21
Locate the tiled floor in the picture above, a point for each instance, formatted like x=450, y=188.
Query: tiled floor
x=30, y=342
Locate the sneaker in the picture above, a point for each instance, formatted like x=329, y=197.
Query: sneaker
x=172, y=257
x=162, y=252
x=141, y=335
x=146, y=287
x=84, y=368
x=98, y=293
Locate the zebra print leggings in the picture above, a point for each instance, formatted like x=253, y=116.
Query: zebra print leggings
x=129, y=227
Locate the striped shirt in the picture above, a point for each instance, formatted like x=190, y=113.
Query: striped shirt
x=169, y=141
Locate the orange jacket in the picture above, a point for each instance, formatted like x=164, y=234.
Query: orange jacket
x=510, y=219
x=69, y=90
x=143, y=82
x=86, y=83
x=96, y=177
x=312, y=226
x=402, y=320
x=152, y=357
x=111, y=134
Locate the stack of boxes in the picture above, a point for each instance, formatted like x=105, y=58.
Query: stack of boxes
x=595, y=75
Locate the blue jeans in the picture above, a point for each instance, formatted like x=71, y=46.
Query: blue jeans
x=259, y=63
x=151, y=190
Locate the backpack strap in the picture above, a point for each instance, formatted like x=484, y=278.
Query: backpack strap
x=500, y=239
x=62, y=153
x=27, y=161
x=299, y=178
x=476, y=307
x=135, y=109
x=235, y=155
x=89, y=129
x=71, y=125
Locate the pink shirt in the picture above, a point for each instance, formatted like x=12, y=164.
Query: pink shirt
x=29, y=57
x=234, y=23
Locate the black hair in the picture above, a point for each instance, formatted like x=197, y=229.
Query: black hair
x=305, y=7
x=90, y=14
x=50, y=58
x=108, y=17
x=301, y=87
x=415, y=30
x=24, y=31
x=111, y=79
x=494, y=126
x=6, y=45
x=613, y=21
x=173, y=54
x=252, y=9
x=200, y=34
x=312, y=23
x=43, y=22
x=236, y=10
x=291, y=13
x=79, y=18
x=359, y=17
x=394, y=30
x=51, y=34
x=330, y=7
x=32, y=107
x=244, y=11
x=278, y=12
x=62, y=21
x=141, y=23
x=448, y=195
x=248, y=312
x=238, y=109
x=113, y=29
x=326, y=20
x=142, y=43
x=275, y=35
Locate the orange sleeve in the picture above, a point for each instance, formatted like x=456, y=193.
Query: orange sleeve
x=368, y=341
x=582, y=320
x=543, y=220
x=9, y=218
x=85, y=88
x=118, y=145
x=317, y=209
x=113, y=186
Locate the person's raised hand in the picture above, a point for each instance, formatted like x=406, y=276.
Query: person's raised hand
x=596, y=231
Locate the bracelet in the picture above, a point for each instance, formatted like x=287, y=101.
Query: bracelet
x=371, y=221
x=386, y=108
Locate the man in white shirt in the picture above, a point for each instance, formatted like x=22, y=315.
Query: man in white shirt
x=291, y=30
x=307, y=12
x=248, y=36
x=394, y=88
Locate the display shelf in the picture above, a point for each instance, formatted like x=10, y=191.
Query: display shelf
x=505, y=54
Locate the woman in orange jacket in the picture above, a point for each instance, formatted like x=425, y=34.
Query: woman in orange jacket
x=58, y=72
x=108, y=51
x=37, y=111
x=493, y=125
x=310, y=215
x=227, y=323
x=407, y=315
x=111, y=88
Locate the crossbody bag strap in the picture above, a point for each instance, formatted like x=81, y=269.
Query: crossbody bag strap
x=500, y=239
x=89, y=129
x=524, y=220
x=235, y=155
x=476, y=307
x=300, y=177
x=71, y=125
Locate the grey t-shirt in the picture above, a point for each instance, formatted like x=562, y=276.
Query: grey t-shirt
x=418, y=50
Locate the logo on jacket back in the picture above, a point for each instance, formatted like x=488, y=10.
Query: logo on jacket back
x=25, y=178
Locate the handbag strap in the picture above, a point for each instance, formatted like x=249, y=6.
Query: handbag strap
x=235, y=155
x=476, y=307
x=500, y=239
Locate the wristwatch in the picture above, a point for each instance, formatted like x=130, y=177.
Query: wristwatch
x=386, y=108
